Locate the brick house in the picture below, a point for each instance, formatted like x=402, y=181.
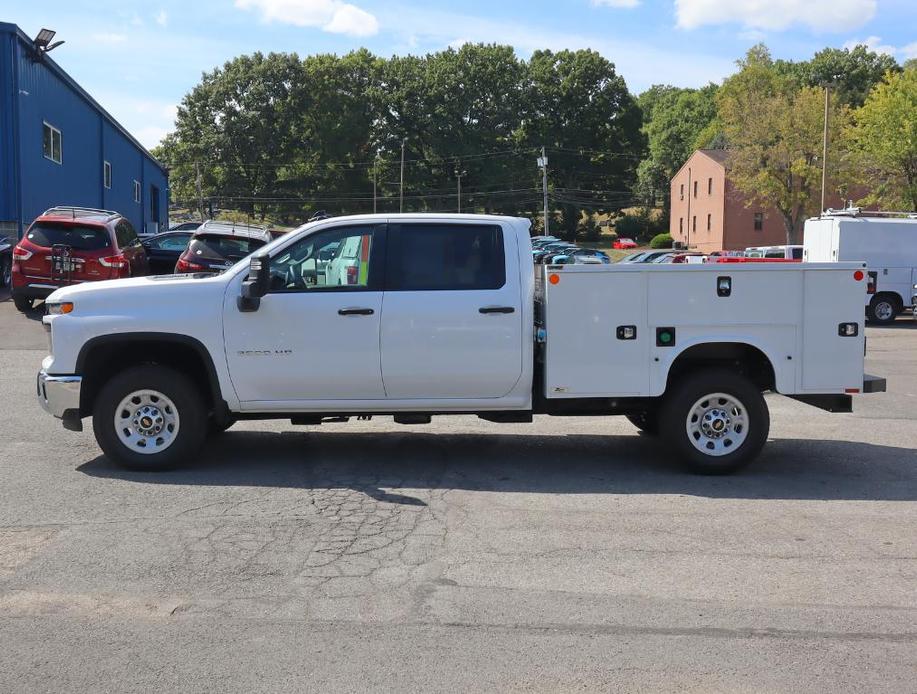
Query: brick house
x=709, y=214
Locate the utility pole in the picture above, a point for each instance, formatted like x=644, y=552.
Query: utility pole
x=458, y=174
x=200, y=191
x=688, y=236
x=401, y=186
x=543, y=163
x=824, y=150
x=375, y=177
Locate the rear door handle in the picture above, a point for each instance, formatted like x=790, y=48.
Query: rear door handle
x=355, y=312
x=496, y=309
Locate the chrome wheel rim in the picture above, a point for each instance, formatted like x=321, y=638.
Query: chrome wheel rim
x=884, y=310
x=146, y=422
x=717, y=424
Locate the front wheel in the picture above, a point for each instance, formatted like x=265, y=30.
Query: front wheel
x=717, y=420
x=149, y=418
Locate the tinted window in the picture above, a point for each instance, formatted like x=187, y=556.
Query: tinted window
x=337, y=258
x=797, y=254
x=775, y=253
x=125, y=234
x=175, y=242
x=449, y=256
x=220, y=247
x=79, y=238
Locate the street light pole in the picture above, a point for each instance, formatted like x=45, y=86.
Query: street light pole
x=458, y=174
x=375, y=178
x=401, y=185
x=824, y=150
x=543, y=163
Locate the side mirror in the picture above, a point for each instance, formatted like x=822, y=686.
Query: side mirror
x=257, y=283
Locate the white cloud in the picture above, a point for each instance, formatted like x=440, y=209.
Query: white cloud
x=162, y=18
x=874, y=43
x=616, y=3
x=109, y=37
x=818, y=15
x=334, y=16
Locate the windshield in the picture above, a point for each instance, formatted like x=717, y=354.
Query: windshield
x=224, y=247
x=79, y=238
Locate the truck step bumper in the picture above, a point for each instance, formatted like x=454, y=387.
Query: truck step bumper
x=873, y=384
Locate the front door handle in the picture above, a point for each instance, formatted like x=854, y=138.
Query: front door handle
x=496, y=309
x=355, y=312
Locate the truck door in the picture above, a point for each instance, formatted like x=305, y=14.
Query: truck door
x=452, y=313
x=315, y=335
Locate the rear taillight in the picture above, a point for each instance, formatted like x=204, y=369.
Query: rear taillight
x=116, y=261
x=184, y=266
x=20, y=253
x=352, y=272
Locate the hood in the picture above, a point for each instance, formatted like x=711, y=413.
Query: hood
x=111, y=289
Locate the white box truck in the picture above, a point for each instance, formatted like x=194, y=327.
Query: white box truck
x=886, y=242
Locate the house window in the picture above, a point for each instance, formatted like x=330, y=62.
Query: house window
x=681, y=192
x=137, y=191
x=51, y=143
x=695, y=189
x=694, y=223
x=709, y=216
x=710, y=186
x=106, y=174
x=681, y=226
x=759, y=221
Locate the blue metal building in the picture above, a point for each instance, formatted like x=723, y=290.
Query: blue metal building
x=58, y=146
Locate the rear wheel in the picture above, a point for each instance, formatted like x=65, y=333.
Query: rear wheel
x=717, y=420
x=22, y=303
x=149, y=418
x=882, y=310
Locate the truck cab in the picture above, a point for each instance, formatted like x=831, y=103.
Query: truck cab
x=413, y=316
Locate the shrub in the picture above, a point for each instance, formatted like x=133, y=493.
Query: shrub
x=661, y=241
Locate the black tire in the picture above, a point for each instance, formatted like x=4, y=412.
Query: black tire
x=690, y=391
x=647, y=422
x=6, y=272
x=883, y=309
x=215, y=428
x=192, y=414
x=23, y=303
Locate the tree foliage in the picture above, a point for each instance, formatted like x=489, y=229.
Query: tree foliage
x=884, y=142
x=774, y=133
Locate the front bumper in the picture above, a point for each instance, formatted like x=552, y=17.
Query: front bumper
x=59, y=396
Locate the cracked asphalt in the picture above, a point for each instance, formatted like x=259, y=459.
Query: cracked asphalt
x=571, y=554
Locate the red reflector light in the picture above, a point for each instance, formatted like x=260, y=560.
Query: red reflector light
x=118, y=261
x=858, y=275
x=184, y=266
x=852, y=390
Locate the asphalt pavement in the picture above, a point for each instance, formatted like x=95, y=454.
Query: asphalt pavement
x=567, y=555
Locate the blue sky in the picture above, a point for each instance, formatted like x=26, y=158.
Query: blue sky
x=139, y=59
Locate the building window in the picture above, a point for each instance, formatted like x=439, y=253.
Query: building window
x=106, y=174
x=759, y=221
x=681, y=192
x=51, y=144
x=709, y=216
x=710, y=186
x=695, y=189
x=694, y=223
x=137, y=191
x=681, y=226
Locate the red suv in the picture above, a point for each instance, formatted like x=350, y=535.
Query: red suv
x=70, y=245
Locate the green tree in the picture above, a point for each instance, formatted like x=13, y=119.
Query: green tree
x=884, y=141
x=774, y=134
x=851, y=72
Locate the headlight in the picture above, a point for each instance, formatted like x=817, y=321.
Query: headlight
x=56, y=308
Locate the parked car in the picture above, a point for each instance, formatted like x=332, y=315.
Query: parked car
x=651, y=256
x=661, y=259
x=689, y=258
x=163, y=250
x=550, y=250
x=785, y=252
x=597, y=255
x=6, y=261
x=624, y=244
x=633, y=257
x=72, y=245
x=185, y=226
x=217, y=246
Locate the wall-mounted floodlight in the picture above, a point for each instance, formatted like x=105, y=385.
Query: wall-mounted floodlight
x=42, y=42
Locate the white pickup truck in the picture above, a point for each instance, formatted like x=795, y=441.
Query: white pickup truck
x=420, y=315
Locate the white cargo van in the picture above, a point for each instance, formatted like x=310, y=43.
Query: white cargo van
x=886, y=242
